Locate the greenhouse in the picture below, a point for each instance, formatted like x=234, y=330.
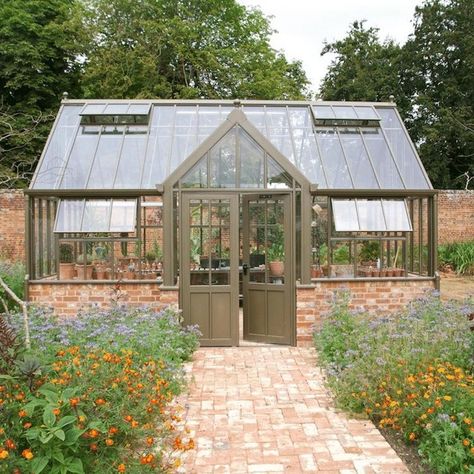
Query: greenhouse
x=222, y=205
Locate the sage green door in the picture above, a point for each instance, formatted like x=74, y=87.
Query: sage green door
x=267, y=270
x=209, y=269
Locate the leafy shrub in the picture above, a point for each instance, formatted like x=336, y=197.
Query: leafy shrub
x=459, y=256
x=14, y=276
x=96, y=398
x=410, y=372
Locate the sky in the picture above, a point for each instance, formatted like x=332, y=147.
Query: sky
x=304, y=25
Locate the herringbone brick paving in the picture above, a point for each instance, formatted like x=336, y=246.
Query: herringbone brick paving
x=265, y=409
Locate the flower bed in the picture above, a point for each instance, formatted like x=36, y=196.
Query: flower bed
x=410, y=372
x=94, y=393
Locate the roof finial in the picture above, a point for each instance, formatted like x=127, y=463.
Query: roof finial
x=237, y=103
x=391, y=97
x=65, y=95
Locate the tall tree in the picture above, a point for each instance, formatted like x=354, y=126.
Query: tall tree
x=439, y=77
x=364, y=68
x=38, y=61
x=185, y=49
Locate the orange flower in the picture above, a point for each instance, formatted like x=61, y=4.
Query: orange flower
x=121, y=468
x=468, y=421
x=9, y=444
x=74, y=402
x=93, y=447
x=3, y=454
x=27, y=425
x=109, y=442
x=134, y=423
x=149, y=441
x=113, y=430
x=27, y=454
x=472, y=450
x=57, y=411
x=466, y=442
x=100, y=401
x=93, y=433
x=22, y=413
x=412, y=436
x=128, y=418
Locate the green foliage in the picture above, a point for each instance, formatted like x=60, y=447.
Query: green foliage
x=341, y=255
x=369, y=251
x=66, y=254
x=94, y=398
x=276, y=245
x=13, y=274
x=459, y=256
x=185, y=49
x=411, y=372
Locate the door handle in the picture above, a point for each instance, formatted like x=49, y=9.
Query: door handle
x=245, y=268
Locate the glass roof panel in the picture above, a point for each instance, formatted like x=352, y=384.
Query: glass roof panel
x=256, y=116
x=323, y=112
x=80, y=160
x=366, y=112
x=131, y=161
x=50, y=168
x=345, y=215
x=344, y=112
x=139, y=109
x=382, y=159
x=408, y=163
x=93, y=109
x=332, y=157
x=116, y=109
x=358, y=160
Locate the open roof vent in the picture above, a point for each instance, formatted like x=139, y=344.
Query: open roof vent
x=115, y=114
x=346, y=116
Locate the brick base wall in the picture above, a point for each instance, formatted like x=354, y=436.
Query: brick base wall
x=67, y=299
x=312, y=303
x=12, y=225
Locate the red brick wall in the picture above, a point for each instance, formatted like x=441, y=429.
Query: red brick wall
x=455, y=216
x=378, y=296
x=12, y=224
x=67, y=298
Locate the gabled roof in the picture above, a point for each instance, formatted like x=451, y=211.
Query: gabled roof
x=123, y=144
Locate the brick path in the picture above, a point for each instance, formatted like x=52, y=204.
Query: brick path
x=265, y=409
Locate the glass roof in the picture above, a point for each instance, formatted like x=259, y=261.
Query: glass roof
x=364, y=146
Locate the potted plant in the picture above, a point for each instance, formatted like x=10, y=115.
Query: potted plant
x=66, y=263
x=276, y=253
x=129, y=273
x=84, y=272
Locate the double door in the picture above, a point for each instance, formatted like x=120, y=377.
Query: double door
x=237, y=248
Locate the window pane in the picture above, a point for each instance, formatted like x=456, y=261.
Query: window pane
x=323, y=111
x=344, y=112
x=123, y=217
x=251, y=162
x=366, y=112
x=116, y=109
x=105, y=162
x=222, y=163
x=307, y=156
x=345, y=215
x=197, y=176
x=277, y=177
x=69, y=216
x=139, y=109
x=382, y=159
x=371, y=217
x=256, y=116
x=96, y=216
x=131, y=161
x=396, y=215
x=93, y=109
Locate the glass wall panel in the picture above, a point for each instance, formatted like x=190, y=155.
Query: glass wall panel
x=49, y=172
x=222, y=162
x=69, y=216
x=334, y=164
x=123, y=216
x=407, y=161
x=197, y=176
x=384, y=165
x=277, y=177
x=371, y=216
x=359, y=163
x=96, y=216
x=396, y=215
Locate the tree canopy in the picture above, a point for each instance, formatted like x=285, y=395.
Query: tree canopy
x=430, y=77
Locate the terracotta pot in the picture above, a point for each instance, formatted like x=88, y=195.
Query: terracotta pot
x=389, y=272
x=316, y=271
x=277, y=268
x=66, y=271
x=375, y=273
x=129, y=275
x=383, y=272
x=84, y=275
